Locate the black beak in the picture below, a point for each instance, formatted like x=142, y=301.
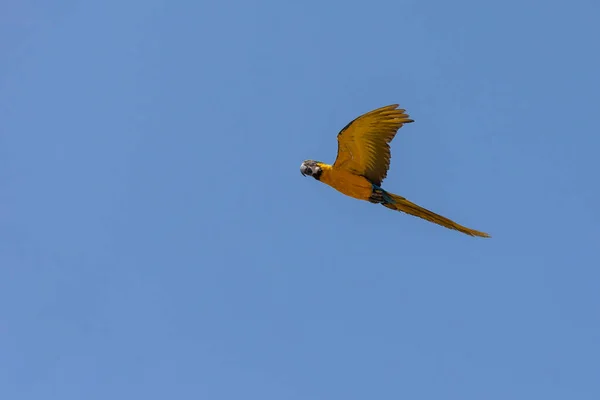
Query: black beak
x=304, y=169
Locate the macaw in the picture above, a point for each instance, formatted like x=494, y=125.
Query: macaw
x=362, y=162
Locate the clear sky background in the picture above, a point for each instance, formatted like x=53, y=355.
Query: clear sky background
x=157, y=239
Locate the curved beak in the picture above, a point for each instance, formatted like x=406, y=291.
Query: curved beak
x=303, y=169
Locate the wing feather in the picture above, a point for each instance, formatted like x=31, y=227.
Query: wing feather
x=363, y=144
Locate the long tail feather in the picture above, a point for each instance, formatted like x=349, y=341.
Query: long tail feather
x=399, y=203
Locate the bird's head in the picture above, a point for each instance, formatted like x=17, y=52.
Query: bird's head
x=311, y=168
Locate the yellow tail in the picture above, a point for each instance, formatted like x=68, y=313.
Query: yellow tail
x=401, y=204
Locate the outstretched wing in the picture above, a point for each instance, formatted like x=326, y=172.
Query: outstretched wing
x=363, y=144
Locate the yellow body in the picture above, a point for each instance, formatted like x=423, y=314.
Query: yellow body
x=346, y=182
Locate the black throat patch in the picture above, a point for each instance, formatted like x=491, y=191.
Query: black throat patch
x=317, y=174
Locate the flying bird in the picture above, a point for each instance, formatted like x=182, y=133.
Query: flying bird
x=362, y=162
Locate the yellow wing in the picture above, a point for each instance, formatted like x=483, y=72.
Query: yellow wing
x=363, y=144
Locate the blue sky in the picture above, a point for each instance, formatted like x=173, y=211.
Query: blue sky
x=158, y=241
